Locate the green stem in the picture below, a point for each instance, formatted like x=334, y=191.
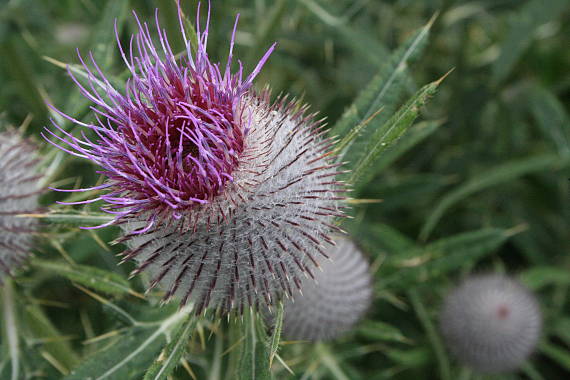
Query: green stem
x=443, y=363
x=7, y=293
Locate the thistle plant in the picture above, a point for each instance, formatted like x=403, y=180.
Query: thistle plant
x=491, y=323
x=338, y=298
x=19, y=191
x=224, y=197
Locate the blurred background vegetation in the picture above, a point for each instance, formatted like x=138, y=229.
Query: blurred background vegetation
x=480, y=181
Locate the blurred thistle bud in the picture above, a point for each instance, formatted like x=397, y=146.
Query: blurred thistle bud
x=333, y=303
x=19, y=191
x=491, y=323
x=225, y=199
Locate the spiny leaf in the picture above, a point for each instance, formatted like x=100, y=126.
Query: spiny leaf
x=94, y=278
x=131, y=353
x=491, y=177
x=276, y=335
x=171, y=354
x=388, y=82
x=415, y=135
x=390, y=131
x=254, y=361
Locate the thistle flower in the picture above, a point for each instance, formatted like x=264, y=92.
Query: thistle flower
x=335, y=302
x=19, y=190
x=225, y=198
x=491, y=323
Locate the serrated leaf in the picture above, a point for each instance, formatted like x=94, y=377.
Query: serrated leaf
x=442, y=256
x=389, y=132
x=489, y=178
x=91, y=277
x=384, y=89
x=415, y=135
x=254, y=361
x=131, y=353
x=170, y=356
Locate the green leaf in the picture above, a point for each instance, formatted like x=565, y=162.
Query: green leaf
x=557, y=354
x=492, y=177
x=391, y=131
x=522, y=25
x=415, y=135
x=562, y=329
x=382, y=331
x=442, y=256
x=538, y=277
x=10, y=327
x=385, y=88
x=37, y=326
x=72, y=218
x=131, y=353
x=276, y=334
x=551, y=117
x=103, y=41
x=94, y=278
x=254, y=361
x=433, y=336
x=23, y=76
x=171, y=354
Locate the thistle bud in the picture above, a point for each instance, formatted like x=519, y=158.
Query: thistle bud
x=19, y=191
x=491, y=323
x=225, y=198
x=337, y=299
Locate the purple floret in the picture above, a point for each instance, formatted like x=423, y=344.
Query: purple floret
x=173, y=139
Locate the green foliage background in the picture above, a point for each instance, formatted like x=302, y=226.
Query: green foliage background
x=478, y=181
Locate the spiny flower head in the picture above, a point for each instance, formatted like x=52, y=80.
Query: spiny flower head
x=224, y=198
x=19, y=191
x=491, y=323
x=336, y=301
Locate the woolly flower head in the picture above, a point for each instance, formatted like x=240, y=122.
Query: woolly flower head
x=491, y=323
x=19, y=191
x=224, y=198
x=335, y=302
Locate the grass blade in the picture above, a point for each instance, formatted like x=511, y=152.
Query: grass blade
x=492, y=177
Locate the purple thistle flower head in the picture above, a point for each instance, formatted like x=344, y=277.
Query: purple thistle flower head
x=224, y=198
x=19, y=191
x=491, y=323
x=173, y=140
x=335, y=302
